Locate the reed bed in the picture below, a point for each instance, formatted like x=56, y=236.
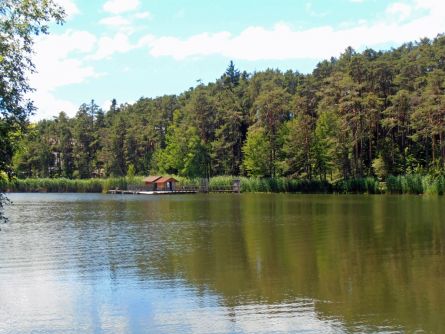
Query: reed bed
x=269, y=185
x=275, y=185
x=407, y=184
x=220, y=183
x=367, y=185
x=416, y=184
x=62, y=185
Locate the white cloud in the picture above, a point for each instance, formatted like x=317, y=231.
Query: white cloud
x=48, y=105
x=63, y=60
x=105, y=105
x=56, y=67
x=310, y=10
x=70, y=7
x=143, y=15
x=61, y=72
x=115, y=21
x=434, y=6
x=400, y=10
x=107, y=46
x=198, y=45
x=147, y=40
x=120, y=6
x=282, y=42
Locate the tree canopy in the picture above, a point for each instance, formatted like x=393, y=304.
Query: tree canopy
x=20, y=22
x=370, y=113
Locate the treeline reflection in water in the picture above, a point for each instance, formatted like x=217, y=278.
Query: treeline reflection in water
x=225, y=263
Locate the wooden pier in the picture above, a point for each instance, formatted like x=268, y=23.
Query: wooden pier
x=144, y=192
x=148, y=189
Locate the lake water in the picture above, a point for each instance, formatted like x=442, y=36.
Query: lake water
x=249, y=263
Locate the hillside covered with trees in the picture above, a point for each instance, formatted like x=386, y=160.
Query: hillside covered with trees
x=374, y=113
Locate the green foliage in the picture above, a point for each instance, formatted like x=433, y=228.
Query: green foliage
x=113, y=148
x=299, y=147
x=366, y=185
x=63, y=185
x=379, y=167
x=184, y=154
x=356, y=117
x=326, y=134
x=225, y=150
x=272, y=109
x=130, y=172
x=220, y=182
x=416, y=184
x=257, y=161
x=408, y=184
x=232, y=76
x=282, y=184
x=20, y=22
x=119, y=183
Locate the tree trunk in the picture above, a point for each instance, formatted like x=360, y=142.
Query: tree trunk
x=433, y=148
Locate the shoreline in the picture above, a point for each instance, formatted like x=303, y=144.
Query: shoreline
x=406, y=184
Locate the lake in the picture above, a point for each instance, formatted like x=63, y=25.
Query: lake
x=223, y=263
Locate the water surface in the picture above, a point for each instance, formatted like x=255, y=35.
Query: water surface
x=249, y=263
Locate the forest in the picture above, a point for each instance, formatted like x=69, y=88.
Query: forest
x=363, y=114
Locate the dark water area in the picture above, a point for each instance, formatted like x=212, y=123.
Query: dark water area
x=223, y=263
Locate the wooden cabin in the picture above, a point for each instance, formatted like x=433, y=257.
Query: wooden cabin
x=150, y=182
x=159, y=183
x=166, y=184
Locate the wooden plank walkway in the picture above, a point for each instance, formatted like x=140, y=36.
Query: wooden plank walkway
x=142, y=192
x=178, y=190
x=221, y=190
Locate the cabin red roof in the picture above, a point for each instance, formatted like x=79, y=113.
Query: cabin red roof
x=166, y=179
x=151, y=179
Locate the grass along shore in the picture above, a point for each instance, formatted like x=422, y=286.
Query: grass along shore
x=407, y=184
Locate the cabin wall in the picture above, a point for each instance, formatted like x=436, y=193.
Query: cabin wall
x=167, y=186
x=150, y=187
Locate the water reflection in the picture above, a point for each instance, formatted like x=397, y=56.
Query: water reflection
x=223, y=264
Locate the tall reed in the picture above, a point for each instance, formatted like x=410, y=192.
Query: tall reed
x=62, y=185
x=282, y=184
x=367, y=185
x=416, y=184
x=406, y=184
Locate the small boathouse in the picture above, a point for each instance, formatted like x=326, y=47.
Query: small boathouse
x=159, y=183
x=166, y=184
x=155, y=185
x=150, y=182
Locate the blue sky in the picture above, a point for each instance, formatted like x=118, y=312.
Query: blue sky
x=126, y=49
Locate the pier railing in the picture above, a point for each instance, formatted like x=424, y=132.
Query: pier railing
x=187, y=188
x=204, y=187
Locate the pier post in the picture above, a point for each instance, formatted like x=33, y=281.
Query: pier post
x=236, y=186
